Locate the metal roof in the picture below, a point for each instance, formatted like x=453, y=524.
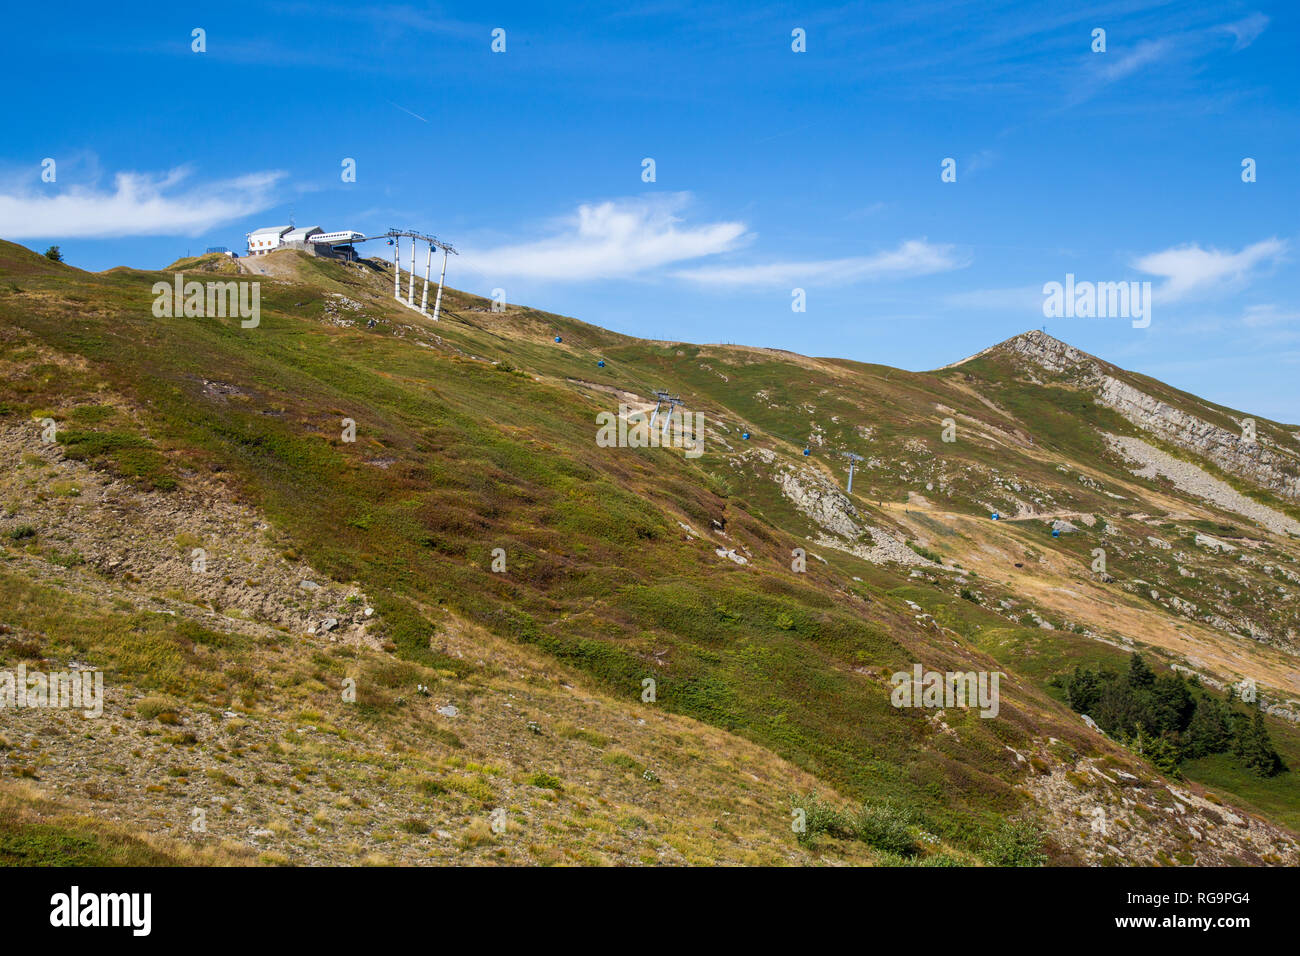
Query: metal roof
x=301, y=233
x=271, y=231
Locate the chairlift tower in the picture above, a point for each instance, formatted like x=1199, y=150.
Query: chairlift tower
x=395, y=236
x=397, y=269
x=853, y=460
x=673, y=402
x=660, y=398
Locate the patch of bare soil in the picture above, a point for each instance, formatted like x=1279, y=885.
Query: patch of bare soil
x=195, y=552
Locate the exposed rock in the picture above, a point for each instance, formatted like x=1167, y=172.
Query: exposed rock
x=1213, y=543
x=1268, y=465
x=1195, y=481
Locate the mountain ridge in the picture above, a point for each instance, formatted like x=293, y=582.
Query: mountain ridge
x=477, y=433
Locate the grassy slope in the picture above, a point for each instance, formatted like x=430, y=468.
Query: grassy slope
x=600, y=575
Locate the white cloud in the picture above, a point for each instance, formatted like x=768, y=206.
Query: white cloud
x=1269, y=314
x=911, y=258
x=1190, y=269
x=609, y=240
x=1148, y=51
x=1245, y=31
x=138, y=205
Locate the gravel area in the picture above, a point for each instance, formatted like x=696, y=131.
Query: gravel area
x=1190, y=479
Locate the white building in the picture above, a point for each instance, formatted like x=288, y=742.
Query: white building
x=311, y=239
x=262, y=241
x=302, y=234
x=345, y=237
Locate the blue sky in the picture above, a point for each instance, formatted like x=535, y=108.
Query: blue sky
x=774, y=169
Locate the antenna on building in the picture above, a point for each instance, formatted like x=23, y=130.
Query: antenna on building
x=853, y=460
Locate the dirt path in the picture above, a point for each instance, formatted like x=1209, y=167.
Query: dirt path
x=912, y=507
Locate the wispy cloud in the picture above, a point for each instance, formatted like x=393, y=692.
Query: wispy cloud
x=627, y=238
x=1176, y=53
x=1146, y=52
x=912, y=258
x=978, y=161
x=1105, y=69
x=1269, y=315
x=618, y=238
x=139, y=204
x=1245, y=31
x=1189, y=269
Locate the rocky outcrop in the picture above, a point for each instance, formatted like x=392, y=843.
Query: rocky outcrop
x=1255, y=461
x=1107, y=816
x=817, y=497
x=1258, y=461
x=1195, y=481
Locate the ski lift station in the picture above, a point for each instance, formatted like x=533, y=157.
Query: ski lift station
x=342, y=245
x=311, y=239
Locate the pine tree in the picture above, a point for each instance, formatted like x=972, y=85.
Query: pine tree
x=1207, y=731
x=1257, y=748
x=1164, y=754
x=1139, y=674
x=1083, y=689
x=1172, y=704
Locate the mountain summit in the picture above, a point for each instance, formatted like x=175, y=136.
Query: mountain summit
x=1038, y=346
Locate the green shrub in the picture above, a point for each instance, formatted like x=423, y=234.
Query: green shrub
x=1015, y=844
x=821, y=818
x=886, y=828
x=924, y=552
x=150, y=708
x=881, y=826
x=546, y=781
